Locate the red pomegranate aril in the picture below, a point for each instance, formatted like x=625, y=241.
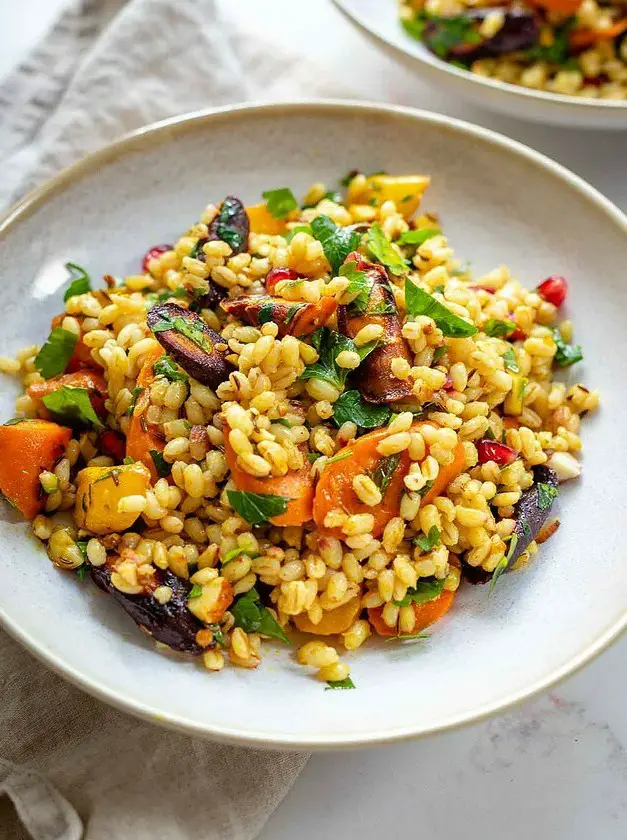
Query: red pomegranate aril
x=277, y=275
x=112, y=444
x=492, y=450
x=448, y=383
x=153, y=254
x=554, y=290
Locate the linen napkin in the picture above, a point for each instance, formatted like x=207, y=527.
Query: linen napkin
x=72, y=767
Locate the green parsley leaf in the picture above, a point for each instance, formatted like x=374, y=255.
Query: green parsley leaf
x=449, y=32
x=237, y=552
x=256, y=508
x=558, y=52
x=253, y=617
x=345, y=683
x=337, y=242
x=567, y=354
x=503, y=564
x=430, y=540
x=280, y=202
x=54, y=356
x=165, y=366
x=510, y=360
x=266, y=311
x=80, y=284
x=497, y=329
x=415, y=27
x=283, y=422
x=425, y=590
x=417, y=237
x=184, y=326
x=329, y=345
x=312, y=457
x=291, y=312
x=82, y=545
x=385, y=469
x=195, y=591
x=298, y=229
x=166, y=294
x=352, y=407
x=439, y=352
x=135, y=394
x=128, y=460
x=382, y=250
x=161, y=465
x=82, y=571
x=546, y=495
x=524, y=527
x=345, y=181
x=418, y=302
x=218, y=635
x=489, y=434
x=359, y=285
x=229, y=226
x=72, y=406
x=425, y=489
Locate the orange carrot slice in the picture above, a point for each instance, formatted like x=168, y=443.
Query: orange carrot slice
x=334, y=621
x=426, y=614
x=580, y=39
x=91, y=381
x=141, y=440
x=446, y=475
x=296, y=485
x=27, y=448
x=81, y=356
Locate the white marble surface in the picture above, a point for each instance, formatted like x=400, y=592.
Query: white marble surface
x=554, y=769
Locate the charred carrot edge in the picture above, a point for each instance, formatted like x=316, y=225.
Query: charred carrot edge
x=332, y=622
x=582, y=38
x=426, y=614
x=26, y=449
x=313, y=315
x=446, y=475
x=139, y=439
x=296, y=485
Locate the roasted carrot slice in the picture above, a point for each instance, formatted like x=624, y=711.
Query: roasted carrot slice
x=334, y=621
x=426, y=614
x=566, y=7
x=262, y=221
x=91, y=381
x=296, y=485
x=580, y=39
x=377, y=383
x=141, y=440
x=292, y=317
x=446, y=475
x=27, y=448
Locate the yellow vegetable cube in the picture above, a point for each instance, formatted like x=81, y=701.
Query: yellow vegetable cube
x=262, y=221
x=404, y=190
x=513, y=404
x=99, y=492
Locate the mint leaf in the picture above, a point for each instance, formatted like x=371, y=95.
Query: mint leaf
x=257, y=508
x=280, y=202
x=253, y=617
x=329, y=345
x=428, y=541
x=546, y=495
x=418, y=302
x=345, y=683
x=192, y=329
x=72, y=406
x=417, y=237
x=567, y=354
x=337, y=242
x=510, y=360
x=161, y=465
x=359, y=285
x=54, y=356
x=498, y=329
x=382, y=250
x=425, y=590
x=80, y=284
x=165, y=366
x=352, y=407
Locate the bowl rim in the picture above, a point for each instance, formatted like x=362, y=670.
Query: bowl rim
x=160, y=132
x=432, y=64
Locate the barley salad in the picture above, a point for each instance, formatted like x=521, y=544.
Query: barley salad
x=300, y=422
x=571, y=47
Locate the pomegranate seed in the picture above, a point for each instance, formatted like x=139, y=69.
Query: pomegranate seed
x=448, y=383
x=492, y=450
x=112, y=444
x=153, y=254
x=277, y=274
x=554, y=290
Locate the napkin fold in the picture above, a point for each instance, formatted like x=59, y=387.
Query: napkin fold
x=71, y=767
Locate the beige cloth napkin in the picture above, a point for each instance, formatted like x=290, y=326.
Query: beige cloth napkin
x=72, y=767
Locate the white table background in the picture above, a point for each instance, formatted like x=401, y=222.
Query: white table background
x=554, y=769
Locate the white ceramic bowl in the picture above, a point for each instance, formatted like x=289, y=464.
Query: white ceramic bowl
x=378, y=19
x=499, y=202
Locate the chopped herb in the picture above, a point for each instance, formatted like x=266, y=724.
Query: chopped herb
x=161, y=465
x=425, y=590
x=329, y=345
x=113, y=474
x=228, y=226
x=192, y=329
x=345, y=683
x=418, y=302
x=253, y=617
x=415, y=27
x=81, y=283
x=312, y=457
x=82, y=571
x=54, y=356
x=351, y=407
x=82, y=545
x=359, y=285
x=236, y=552
x=450, y=32
x=291, y=312
x=195, y=591
x=439, y=289
x=382, y=250
x=425, y=489
x=524, y=525
x=165, y=366
x=266, y=311
x=558, y=51
x=372, y=202
x=257, y=508
x=15, y=420
x=489, y=434
x=497, y=329
x=166, y=294
x=218, y=635
x=428, y=541
x=298, y=229
x=341, y=456
x=503, y=563
x=128, y=460
x=345, y=181
x=280, y=202
x=417, y=237
x=282, y=422
x=135, y=394
x=337, y=242
x=510, y=360
x=567, y=354
x=72, y=406
x=409, y=638
x=546, y=495
x=383, y=472
x=439, y=352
